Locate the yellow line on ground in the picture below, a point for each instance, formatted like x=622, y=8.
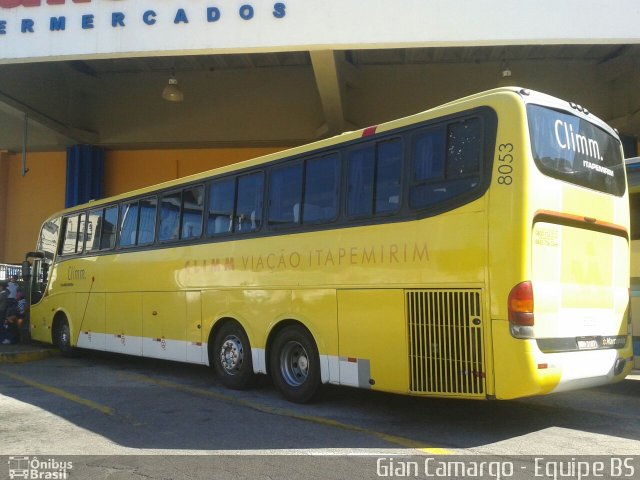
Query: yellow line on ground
x=401, y=441
x=60, y=393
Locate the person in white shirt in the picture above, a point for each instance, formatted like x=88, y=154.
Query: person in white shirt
x=12, y=288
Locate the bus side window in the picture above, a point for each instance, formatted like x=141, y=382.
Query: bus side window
x=192, y=211
x=428, y=165
x=360, y=182
x=82, y=231
x=321, y=191
x=108, y=231
x=94, y=230
x=129, y=224
x=634, y=203
x=464, y=141
x=70, y=235
x=170, y=204
x=222, y=195
x=428, y=156
x=248, y=215
x=446, y=163
x=388, y=175
x=285, y=194
x=147, y=230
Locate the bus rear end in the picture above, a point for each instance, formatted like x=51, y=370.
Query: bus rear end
x=568, y=313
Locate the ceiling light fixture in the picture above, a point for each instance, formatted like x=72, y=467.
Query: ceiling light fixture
x=506, y=77
x=172, y=92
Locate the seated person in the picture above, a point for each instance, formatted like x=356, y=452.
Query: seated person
x=10, y=331
x=23, y=316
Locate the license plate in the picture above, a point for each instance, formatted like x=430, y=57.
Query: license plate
x=587, y=344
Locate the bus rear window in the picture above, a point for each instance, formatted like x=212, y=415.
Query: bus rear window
x=572, y=149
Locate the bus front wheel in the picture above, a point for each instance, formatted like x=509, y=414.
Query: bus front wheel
x=295, y=364
x=231, y=354
x=63, y=339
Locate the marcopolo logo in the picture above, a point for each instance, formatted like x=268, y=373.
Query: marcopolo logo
x=36, y=469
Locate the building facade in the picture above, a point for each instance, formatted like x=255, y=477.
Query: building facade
x=260, y=75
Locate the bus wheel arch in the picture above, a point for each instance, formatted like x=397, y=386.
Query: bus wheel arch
x=61, y=334
x=294, y=361
x=230, y=356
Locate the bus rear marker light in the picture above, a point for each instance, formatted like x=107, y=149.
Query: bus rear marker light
x=369, y=131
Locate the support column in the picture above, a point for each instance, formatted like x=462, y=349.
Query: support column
x=4, y=187
x=85, y=173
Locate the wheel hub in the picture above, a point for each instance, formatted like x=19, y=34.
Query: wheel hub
x=231, y=354
x=294, y=364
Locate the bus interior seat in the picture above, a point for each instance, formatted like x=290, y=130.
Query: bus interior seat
x=222, y=224
x=312, y=212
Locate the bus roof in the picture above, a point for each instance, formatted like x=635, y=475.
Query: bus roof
x=528, y=96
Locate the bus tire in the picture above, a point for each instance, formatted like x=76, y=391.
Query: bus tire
x=295, y=364
x=63, y=339
x=231, y=357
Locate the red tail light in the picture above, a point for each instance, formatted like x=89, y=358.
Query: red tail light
x=521, y=310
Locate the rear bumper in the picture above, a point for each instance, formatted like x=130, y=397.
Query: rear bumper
x=586, y=369
x=522, y=369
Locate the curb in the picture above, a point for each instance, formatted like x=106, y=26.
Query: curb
x=29, y=356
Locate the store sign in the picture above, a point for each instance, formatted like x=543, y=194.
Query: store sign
x=34, y=3
x=32, y=30
x=120, y=19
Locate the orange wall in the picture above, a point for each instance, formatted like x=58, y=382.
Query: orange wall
x=29, y=200
x=128, y=170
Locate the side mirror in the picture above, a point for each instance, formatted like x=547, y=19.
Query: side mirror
x=26, y=269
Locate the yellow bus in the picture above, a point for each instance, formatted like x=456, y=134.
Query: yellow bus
x=479, y=249
x=633, y=176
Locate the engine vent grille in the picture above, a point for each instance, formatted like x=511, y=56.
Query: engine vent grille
x=445, y=342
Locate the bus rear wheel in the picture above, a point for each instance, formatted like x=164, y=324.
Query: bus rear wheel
x=231, y=357
x=295, y=364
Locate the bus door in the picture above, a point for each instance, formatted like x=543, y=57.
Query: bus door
x=36, y=276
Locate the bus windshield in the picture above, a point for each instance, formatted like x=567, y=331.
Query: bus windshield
x=49, y=238
x=572, y=149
